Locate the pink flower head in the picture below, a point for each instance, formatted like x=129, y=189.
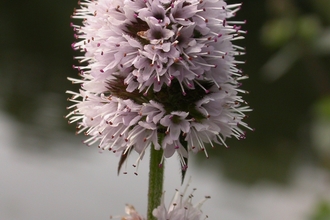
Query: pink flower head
x=152, y=68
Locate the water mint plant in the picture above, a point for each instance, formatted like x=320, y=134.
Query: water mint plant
x=159, y=74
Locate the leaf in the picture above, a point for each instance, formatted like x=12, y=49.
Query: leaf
x=184, y=168
x=123, y=158
x=183, y=160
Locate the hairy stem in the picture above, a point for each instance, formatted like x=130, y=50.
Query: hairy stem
x=156, y=177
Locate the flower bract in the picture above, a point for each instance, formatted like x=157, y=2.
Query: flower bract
x=132, y=214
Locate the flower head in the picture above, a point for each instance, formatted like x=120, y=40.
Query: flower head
x=180, y=208
x=158, y=67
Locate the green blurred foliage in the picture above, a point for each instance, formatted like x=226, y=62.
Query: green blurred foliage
x=288, y=61
x=322, y=211
x=322, y=108
x=35, y=59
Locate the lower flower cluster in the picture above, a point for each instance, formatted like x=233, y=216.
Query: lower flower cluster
x=180, y=208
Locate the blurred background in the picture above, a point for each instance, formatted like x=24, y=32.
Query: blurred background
x=281, y=171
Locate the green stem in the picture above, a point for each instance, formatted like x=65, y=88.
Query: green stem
x=156, y=177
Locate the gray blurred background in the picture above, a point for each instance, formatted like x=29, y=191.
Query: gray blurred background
x=281, y=171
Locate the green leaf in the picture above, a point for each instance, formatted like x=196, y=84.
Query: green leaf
x=322, y=107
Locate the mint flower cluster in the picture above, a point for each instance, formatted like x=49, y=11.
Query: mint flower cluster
x=181, y=207
x=152, y=68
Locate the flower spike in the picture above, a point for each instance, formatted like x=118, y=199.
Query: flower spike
x=156, y=68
